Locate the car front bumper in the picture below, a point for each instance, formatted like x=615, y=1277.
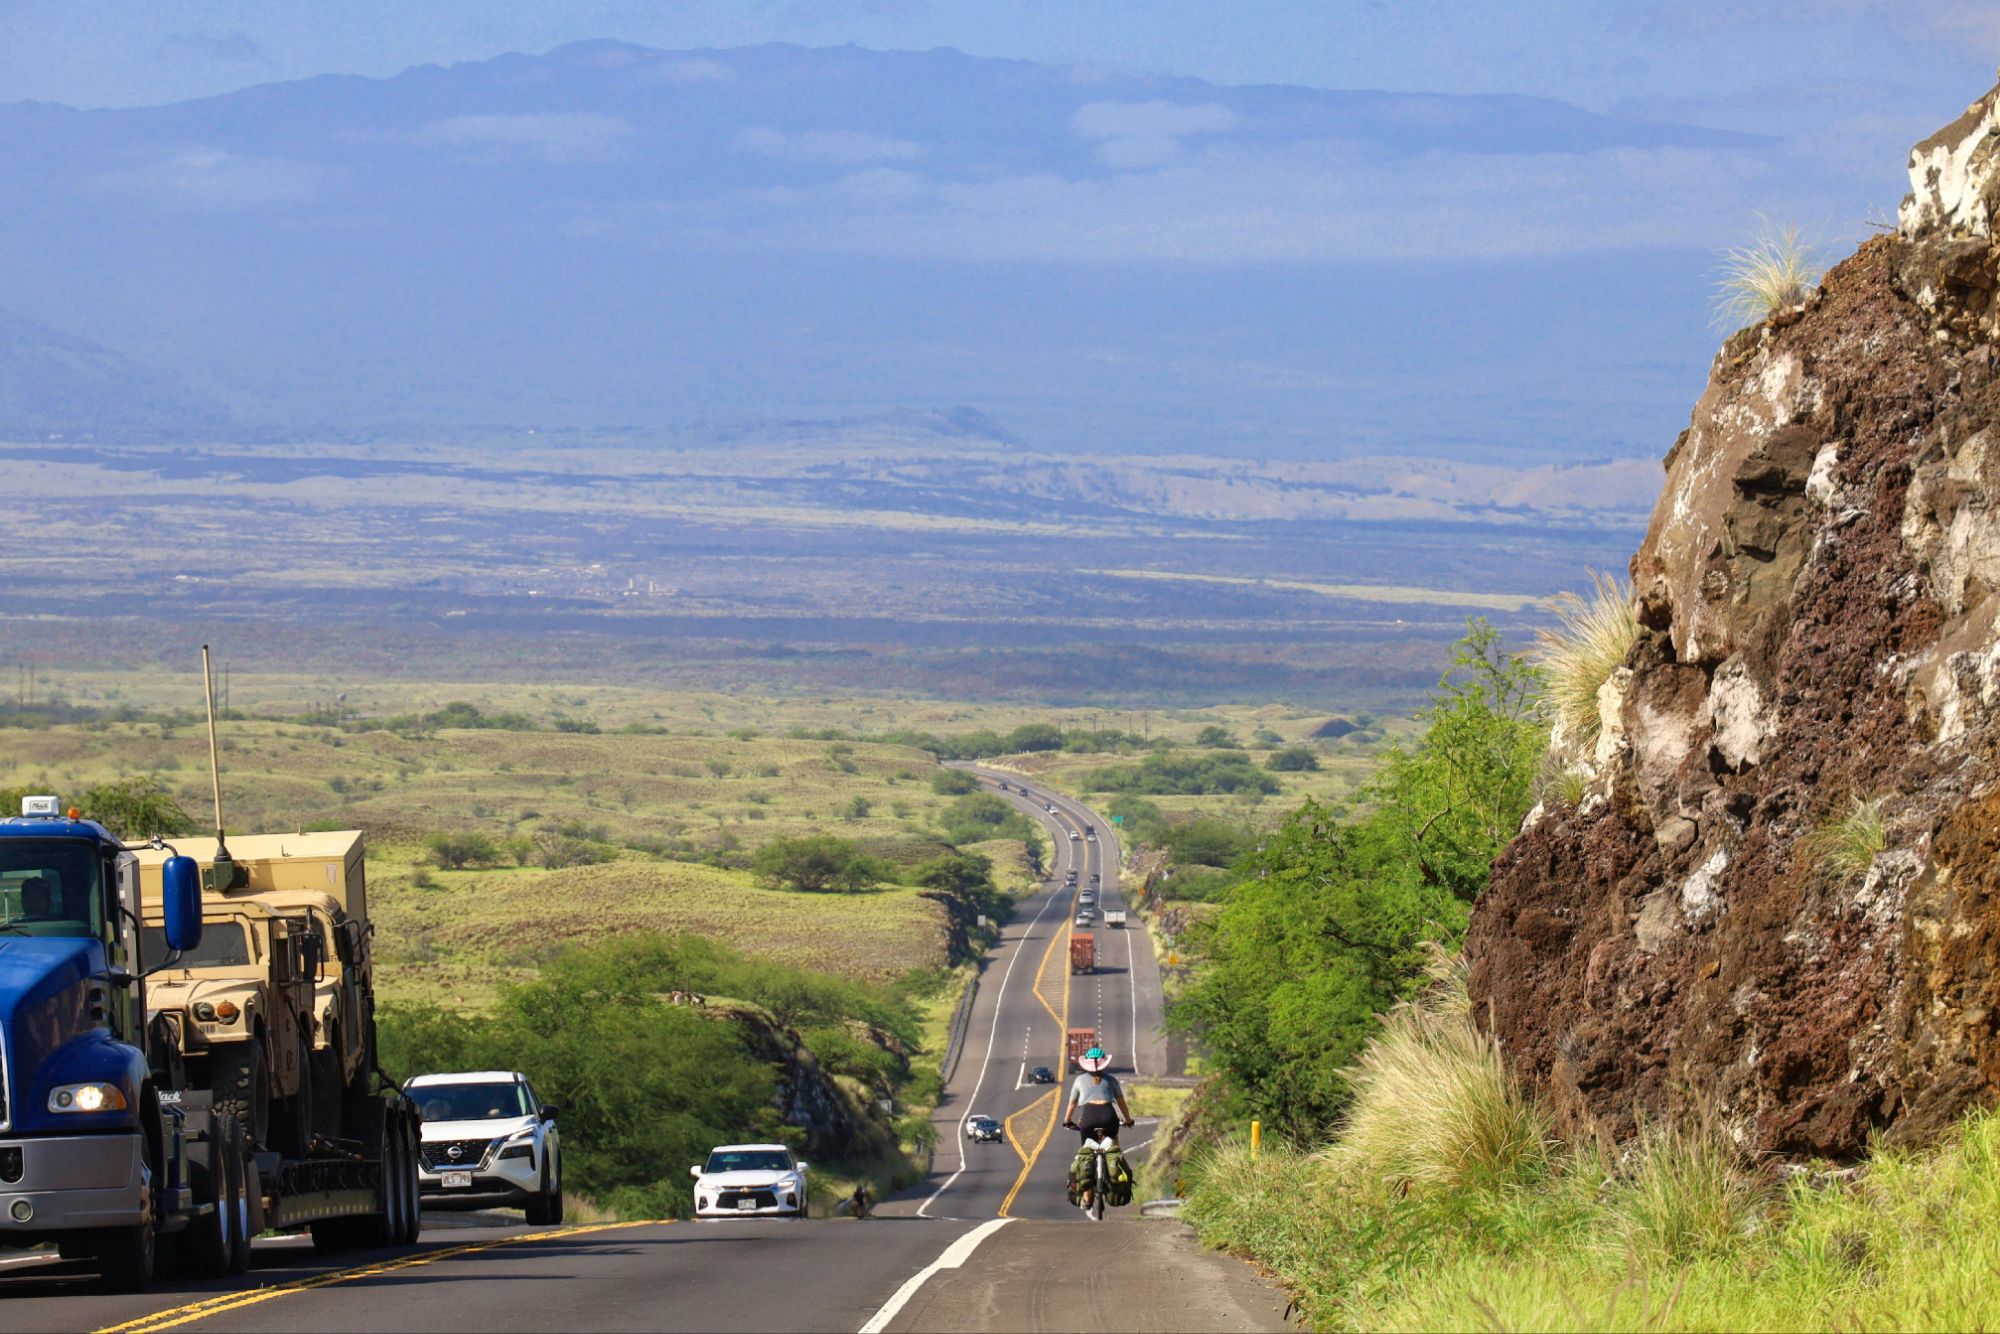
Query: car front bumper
x=501, y=1183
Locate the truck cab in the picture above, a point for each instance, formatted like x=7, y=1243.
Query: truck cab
x=90, y=1157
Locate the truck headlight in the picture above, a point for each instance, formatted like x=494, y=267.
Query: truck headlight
x=95, y=1097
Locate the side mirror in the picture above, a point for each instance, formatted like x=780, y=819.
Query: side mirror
x=801, y=1164
x=180, y=897
x=695, y=1172
x=550, y=1111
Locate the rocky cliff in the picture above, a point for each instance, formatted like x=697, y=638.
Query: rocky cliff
x=1819, y=627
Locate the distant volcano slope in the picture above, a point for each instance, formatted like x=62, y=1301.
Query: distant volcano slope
x=1819, y=634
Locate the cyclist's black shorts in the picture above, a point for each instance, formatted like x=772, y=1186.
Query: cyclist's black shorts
x=1094, y=1115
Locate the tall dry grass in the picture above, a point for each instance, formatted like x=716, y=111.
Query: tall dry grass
x=1434, y=1106
x=1581, y=653
x=1774, y=272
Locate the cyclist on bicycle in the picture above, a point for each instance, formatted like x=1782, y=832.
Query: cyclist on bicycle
x=1096, y=1101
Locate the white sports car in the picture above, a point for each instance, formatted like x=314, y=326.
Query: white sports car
x=750, y=1181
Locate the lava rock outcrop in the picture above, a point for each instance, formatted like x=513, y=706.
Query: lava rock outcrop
x=1819, y=626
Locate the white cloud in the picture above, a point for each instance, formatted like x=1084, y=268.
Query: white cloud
x=1134, y=135
x=577, y=136
x=204, y=178
x=834, y=147
x=1121, y=120
x=1253, y=204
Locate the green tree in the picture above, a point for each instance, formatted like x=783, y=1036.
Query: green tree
x=1292, y=759
x=1214, y=735
x=982, y=816
x=133, y=808
x=965, y=874
x=1333, y=923
x=1207, y=841
x=953, y=783
x=817, y=863
x=1035, y=736
x=456, y=850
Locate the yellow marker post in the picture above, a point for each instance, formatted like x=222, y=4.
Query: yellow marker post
x=1256, y=1138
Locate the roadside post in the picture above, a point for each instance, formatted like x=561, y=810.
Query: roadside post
x=1256, y=1138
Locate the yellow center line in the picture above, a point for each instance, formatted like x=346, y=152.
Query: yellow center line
x=1014, y=1140
x=236, y=1301
x=1062, y=1064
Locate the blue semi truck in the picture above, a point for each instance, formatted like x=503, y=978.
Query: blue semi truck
x=106, y=1154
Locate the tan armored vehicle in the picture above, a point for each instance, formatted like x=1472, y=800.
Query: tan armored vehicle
x=240, y=1006
x=319, y=880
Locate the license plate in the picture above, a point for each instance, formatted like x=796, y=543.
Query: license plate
x=746, y=1206
x=457, y=1180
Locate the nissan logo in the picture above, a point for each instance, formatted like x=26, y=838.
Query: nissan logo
x=454, y=1153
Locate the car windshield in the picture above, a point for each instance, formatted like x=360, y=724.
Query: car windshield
x=48, y=887
x=471, y=1102
x=749, y=1160
x=223, y=945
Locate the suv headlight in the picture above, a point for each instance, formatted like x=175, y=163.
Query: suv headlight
x=520, y=1144
x=92, y=1097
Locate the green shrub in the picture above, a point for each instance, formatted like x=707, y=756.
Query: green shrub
x=817, y=863
x=953, y=783
x=456, y=850
x=1292, y=759
x=131, y=808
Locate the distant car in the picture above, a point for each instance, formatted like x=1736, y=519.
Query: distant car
x=1087, y=897
x=1050, y=808
x=1086, y=918
x=984, y=1129
x=488, y=1142
x=750, y=1181
x=1041, y=1074
x=1095, y=878
x=1075, y=837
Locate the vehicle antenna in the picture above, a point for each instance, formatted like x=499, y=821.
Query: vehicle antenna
x=214, y=758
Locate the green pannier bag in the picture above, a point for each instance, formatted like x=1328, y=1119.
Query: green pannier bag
x=1120, y=1173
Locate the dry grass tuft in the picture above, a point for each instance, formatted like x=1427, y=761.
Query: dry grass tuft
x=1433, y=1105
x=1688, y=1193
x=1846, y=845
x=1773, y=273
x=1579, y=656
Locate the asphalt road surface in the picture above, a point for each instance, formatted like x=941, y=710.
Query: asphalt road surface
x=988, y=1242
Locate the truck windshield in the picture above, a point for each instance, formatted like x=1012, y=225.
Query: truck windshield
x=49, y=887
x=471, y=1102
x=223, y=945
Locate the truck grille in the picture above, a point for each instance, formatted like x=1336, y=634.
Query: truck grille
x=471, y=1153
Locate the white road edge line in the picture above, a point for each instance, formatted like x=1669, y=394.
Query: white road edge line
x=954, y=1257
x=999, y=1003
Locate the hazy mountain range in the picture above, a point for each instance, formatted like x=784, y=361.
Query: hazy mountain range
x=678, y=246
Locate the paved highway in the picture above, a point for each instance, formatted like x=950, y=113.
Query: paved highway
x=988, y=1241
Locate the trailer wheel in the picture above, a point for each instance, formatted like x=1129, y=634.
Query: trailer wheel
x=413, y=1203
x=236, y=1159
x=208, y=1247
x=241, y=1086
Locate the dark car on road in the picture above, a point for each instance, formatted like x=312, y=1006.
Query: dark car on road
x=1041, y=1074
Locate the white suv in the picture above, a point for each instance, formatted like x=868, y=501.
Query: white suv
x=489, y=1142
x=748, y=1181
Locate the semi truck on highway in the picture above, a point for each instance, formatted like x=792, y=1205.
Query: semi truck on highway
x=108, y=1150
x=1080, y=1040
x=1082, y=953
x=1115, y=919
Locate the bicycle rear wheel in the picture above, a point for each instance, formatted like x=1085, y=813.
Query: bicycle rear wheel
x=1097, y=1195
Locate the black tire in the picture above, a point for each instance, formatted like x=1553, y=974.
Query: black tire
x=326, y=1088
x=409, y=1208
x=127, y=1258
x=207, y=1248
x=546, y=1209
x=294, y=1121
x=240, y=1086
x=236, y=1163
x=1100, y=1190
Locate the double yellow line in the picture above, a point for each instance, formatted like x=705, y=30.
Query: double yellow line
x=236, y=1301
x=1055, y=1095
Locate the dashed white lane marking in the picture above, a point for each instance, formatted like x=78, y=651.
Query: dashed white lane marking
x=954, y=1257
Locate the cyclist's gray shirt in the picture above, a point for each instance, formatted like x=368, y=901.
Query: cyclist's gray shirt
x=1090, y=1088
